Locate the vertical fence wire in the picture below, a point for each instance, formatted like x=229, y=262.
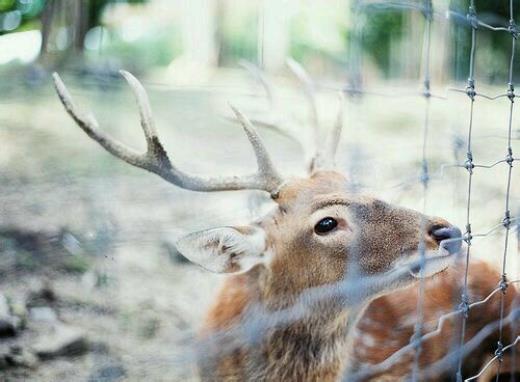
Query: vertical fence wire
x=509, y=160
x=428, y=16
x=514, y=326
x=261, y=34
x=469, y=165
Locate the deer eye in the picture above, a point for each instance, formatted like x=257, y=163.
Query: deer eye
x=325, y=225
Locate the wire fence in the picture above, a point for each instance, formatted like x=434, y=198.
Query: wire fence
x=464, y=308
x=258, y=322
x=454, y=358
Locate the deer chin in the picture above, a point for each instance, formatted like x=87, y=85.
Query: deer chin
x=435, y=261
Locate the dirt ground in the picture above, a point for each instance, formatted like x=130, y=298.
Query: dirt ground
x=100, y=232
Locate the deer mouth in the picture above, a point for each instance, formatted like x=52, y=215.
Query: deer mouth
x=429, y=263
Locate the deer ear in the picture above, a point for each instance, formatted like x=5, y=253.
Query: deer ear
x=225, y=249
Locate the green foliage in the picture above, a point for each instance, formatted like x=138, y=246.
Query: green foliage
x=153, y=49
x=379, y=30
x=6, y=5
x=238, y=39
x=98, y=6
x=318, y=31
x=18, y=15
x=76, y=264
x=494, y=48
x=30, y=8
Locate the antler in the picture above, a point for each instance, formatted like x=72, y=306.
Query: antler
x=309, y=91
x=275, y=119
x=335, y=134
x=322, y=151
x=324, y=154
x=156, y=160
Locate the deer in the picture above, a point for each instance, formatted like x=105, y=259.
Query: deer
x=373, y=341
x=317, y=261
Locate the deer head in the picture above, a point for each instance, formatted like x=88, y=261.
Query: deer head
x=318, y=232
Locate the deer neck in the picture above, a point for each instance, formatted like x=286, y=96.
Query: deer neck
x=313, y=343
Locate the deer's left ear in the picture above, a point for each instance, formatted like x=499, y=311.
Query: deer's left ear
x=225, y=249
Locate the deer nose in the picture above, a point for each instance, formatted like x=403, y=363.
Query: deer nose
x=447, y=236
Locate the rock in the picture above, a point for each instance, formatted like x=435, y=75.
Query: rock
x=108, y=373
x=71, y=243
x=96, y=279
x=3, y=362
x=99, y=347
x=42, y=295
x=20, y=357
x=149, y=326
x=19, y=311
x=9, y=324
x=8, y=327
x=4, y=306
x=61, y=341
x=43, y=313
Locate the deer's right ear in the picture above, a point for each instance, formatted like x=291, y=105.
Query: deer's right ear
x=226, y=249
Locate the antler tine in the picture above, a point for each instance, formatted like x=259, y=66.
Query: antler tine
x=90, y=125
x=259, y=76
x=308, y=90
x=156, y=159
x=335, y=134
x=324, y=155
x=263, y=160
x=155, y=151
x=277, y=120
x=143, y=103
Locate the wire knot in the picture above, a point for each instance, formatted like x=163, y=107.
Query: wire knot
x=464, y=305
x=499, y=353
x=468, y=164
x=512, y=28
x=427, y=89
x=472, y=17
x=511, y=91
x=427, y=10
x=416, y=337
x=507, y=219
x=470, y=89
x=425, y=177
x=503, y=284
x=509, y=157
x=468, y=236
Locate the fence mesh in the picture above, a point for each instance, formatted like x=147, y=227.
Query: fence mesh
x=471, y=166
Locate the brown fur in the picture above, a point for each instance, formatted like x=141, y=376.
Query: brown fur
x=442, y=293
x=388, y=322
x=372, y=234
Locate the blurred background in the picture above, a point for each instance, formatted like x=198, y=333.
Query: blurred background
x=91, y=286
